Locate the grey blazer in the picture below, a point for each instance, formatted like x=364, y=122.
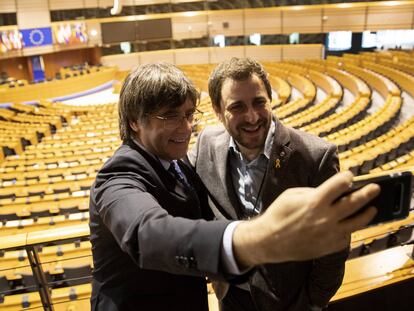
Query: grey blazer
x=297, y=159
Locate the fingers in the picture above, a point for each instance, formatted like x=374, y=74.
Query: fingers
x=334, y=187
x=359, y=221
x=297, y=191
x=351, y=203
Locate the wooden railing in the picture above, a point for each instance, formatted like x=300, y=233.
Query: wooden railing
x=57, y=88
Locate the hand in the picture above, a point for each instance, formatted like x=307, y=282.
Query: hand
x=304, y=223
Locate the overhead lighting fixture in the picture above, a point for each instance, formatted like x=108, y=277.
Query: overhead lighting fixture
x=392, y=3
x=190, y=14
x=117, y=8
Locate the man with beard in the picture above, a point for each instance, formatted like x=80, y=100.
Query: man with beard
x=153, y=236
x=255, y=158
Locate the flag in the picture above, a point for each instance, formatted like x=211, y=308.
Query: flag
x=36, y=37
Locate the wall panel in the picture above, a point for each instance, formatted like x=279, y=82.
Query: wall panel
x=191, y=26
x=157, y=56
x=228, y=23
x=90, y=3
x=337, y=19
x=307, y=20
x=390, y=17
x=32, y=5
x=54, y=61
x=15, y=67
x=66, y=4
x=263, y=21
x=265, y=53
x=33, y=13
x=38, y=50
x=122, y=61
x=213, y=55
x=301, y=52
x=7, y=6
x=266, y=21
x=192, y=56
x=33, y=19
x=105, y=3
x=218, y=55
x=94, y=26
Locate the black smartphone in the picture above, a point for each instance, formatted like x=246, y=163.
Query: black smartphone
x=393, y=202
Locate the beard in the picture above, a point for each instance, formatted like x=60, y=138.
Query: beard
x=252, y=136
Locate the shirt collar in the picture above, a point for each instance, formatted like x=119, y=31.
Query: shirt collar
x=166, y=164
x=268, y=142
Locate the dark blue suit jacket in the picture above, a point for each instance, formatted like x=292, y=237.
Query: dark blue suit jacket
x=151, y=243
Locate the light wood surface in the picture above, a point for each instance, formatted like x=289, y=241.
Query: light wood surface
x=369, y=272
x=58, y=234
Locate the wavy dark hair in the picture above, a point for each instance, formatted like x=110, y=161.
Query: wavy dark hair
x=149, y=88
x=238, y=69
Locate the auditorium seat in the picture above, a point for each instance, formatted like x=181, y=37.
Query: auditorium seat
x=77, y=275
x=313, y=113
x=403, y=235
x=379, y=244
x=4, y=287
x=282, y=88
x=382, y=149
x=28, y=282
x=75, y=298
x=292, y=108
x=376, y=123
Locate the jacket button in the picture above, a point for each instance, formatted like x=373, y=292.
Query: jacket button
x=193, y=262
x=179, y=259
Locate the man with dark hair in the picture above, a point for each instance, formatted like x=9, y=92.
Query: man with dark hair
x=152, y=234
x=255, y=158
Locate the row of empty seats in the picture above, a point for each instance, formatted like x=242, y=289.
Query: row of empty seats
x=46, y=186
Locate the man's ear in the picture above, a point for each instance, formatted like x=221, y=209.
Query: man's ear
x=135, y=126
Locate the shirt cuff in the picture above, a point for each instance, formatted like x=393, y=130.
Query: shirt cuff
x=227, y=257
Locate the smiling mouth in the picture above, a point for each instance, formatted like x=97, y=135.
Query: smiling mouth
x=251, y=129
x=179, y=141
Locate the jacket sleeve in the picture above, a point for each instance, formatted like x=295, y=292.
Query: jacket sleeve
x=192, y=154
x=328, y=271
x=153, y=238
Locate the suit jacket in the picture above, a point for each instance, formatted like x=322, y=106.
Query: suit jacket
x=297, y=159
x=148, y=236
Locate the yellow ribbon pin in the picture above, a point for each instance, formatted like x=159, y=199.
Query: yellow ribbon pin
x=277, y=163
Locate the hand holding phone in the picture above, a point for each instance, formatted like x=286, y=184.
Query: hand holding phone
x=393, y=202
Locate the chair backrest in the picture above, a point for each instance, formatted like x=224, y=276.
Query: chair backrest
x=77, y=275
x=4, y=284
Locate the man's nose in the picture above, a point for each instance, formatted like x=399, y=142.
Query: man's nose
x=185, y=125
x=252, y=116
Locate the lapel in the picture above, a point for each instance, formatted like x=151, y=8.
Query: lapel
x=156, y=169
x=226, y=189
x=277, y=168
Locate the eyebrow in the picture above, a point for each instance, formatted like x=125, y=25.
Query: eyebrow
x=254, y=98
x=176, y=111
x=261, y=97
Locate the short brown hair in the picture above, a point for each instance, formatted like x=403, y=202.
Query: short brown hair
x=148, y=89
x=238, y=69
